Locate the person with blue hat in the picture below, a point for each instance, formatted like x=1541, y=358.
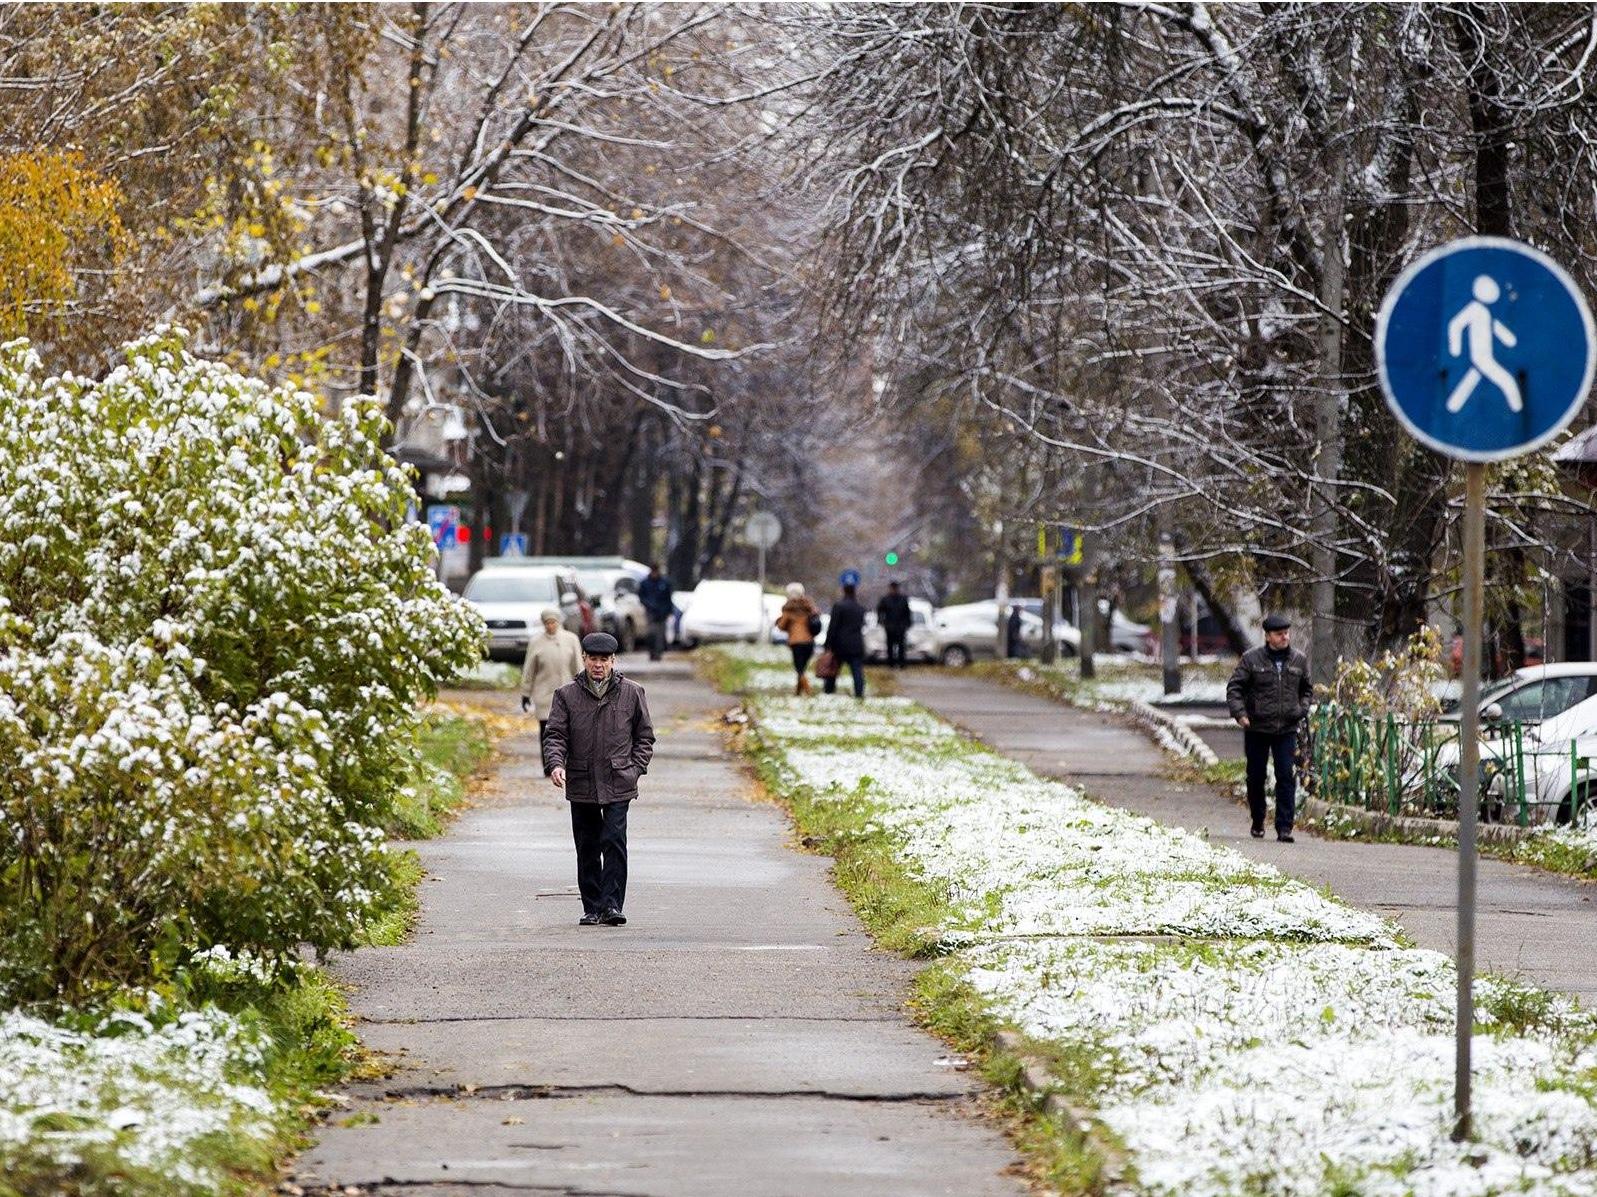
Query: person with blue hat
x=1269, y=695
x=597, y=744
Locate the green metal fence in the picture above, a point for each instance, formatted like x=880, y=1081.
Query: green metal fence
x=1410, y=767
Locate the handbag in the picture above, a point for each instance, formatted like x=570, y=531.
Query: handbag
x=814, y=623
x=826, y=665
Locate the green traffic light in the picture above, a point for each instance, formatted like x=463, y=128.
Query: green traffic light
x=891, y=559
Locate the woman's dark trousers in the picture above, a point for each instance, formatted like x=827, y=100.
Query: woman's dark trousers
x=856, y=669
x=1260, y=748
x=600, y=831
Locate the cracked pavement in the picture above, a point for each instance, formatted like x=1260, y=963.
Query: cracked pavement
x=740, y=1035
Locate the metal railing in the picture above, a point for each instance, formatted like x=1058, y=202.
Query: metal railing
x=1410, y=767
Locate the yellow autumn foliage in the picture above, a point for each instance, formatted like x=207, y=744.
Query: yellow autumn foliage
x=56, y=216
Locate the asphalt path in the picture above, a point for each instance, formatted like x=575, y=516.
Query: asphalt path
x=740, y=1035
x=1530, y=924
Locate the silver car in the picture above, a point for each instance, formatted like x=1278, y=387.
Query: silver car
x=511, y=599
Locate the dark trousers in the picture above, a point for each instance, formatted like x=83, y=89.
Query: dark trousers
x=600, y=832
x=895, y=647
x=656, y=638
x=801, y=656
x=1261, y=748
x=856, y=669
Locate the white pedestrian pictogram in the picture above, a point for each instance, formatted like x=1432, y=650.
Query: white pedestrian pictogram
x=1484, y=331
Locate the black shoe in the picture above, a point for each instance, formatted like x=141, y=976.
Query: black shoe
x=1284, y=837
x=588, y=920
x=613, y=918
x=1257, y=833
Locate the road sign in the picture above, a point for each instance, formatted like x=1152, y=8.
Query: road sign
x=442, y=520
x=849, y=577
x=763, y=530
x=1485, y=349
x=513, y=544
x=1070, y=546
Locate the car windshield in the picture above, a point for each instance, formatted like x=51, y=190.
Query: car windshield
x=512, y=588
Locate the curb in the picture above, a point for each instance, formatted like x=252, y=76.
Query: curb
x=1181, y=737
x=1381, y=823
x=1036, y=1080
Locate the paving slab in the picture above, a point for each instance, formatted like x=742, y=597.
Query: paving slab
x=1529, y=924
x=740, y=1035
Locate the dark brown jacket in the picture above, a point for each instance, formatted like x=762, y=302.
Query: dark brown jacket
x=604, y=744
x=1274, y=700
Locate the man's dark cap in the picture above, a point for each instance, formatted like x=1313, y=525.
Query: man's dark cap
x=599, y=644
x=1272, y=623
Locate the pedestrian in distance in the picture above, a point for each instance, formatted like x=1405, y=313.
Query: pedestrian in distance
x=801, y=621
x=598, y=744
x=1015, y=645
x=552, y=660
x=845, y=640
x=1269, y=694
x=893, y=613
x=654, y=592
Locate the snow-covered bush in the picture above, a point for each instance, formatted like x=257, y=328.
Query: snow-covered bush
x=215, y=623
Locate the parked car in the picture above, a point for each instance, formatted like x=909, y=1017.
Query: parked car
x=1126, y=635
x=969, y=631
x=1066, y=633
x=721, y=610
x=614, y=589
x=919, y=644
x=510, y=597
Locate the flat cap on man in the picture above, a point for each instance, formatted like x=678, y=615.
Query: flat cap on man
x=599, y=644
x=1272, y=623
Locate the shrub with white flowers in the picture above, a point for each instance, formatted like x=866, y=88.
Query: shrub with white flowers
x=215, y=625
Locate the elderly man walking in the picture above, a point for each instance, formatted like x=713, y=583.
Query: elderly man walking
x=1269, y=695
x=552, y=660
x=599, y=741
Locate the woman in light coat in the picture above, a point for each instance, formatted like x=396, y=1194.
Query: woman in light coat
x=795, y=621
x=553, y=659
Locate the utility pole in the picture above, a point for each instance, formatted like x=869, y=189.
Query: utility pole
x=1001, y=591
x=1050, y=597
x=1087, y=607
x=1328, y=430
x=1169, y=610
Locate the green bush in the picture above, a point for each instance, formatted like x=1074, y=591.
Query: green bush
x=215, y=625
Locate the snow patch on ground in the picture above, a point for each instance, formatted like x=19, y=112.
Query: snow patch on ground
x=141, y=1091
x=1271, y=1041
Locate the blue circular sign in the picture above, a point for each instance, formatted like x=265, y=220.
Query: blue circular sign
x=849, y=577
x=1484, y=348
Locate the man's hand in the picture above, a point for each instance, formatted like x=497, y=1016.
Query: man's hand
x=558, y=776
x=1245, y=722
x=526, y=704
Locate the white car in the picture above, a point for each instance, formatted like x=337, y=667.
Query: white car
x=963, y=633
x=511, y=600
x=614, y=594
x=1553, y=752
x=723, y=610
x=919, y=645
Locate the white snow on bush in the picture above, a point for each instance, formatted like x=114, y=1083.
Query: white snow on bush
x=1270, y=1040
x=129, y=1090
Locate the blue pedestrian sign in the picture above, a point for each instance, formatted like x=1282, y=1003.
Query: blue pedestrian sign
x=1485, y=349
x=849, y=577
x=513, y=544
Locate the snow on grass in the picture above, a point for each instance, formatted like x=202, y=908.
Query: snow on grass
x=137, y=1095
x=1026, y=856
x=1270, y=1041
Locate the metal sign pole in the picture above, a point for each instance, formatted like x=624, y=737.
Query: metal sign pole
x=765, y=628
x=1468, y=781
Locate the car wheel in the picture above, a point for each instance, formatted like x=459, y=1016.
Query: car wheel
x=956, y=656
x=1584, y=816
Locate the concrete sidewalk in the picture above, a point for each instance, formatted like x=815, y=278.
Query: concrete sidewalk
x=1530, y=924
x=739, y=1036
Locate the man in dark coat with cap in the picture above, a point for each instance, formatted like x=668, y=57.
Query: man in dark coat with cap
x=597, y=744
x=1269, y=694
